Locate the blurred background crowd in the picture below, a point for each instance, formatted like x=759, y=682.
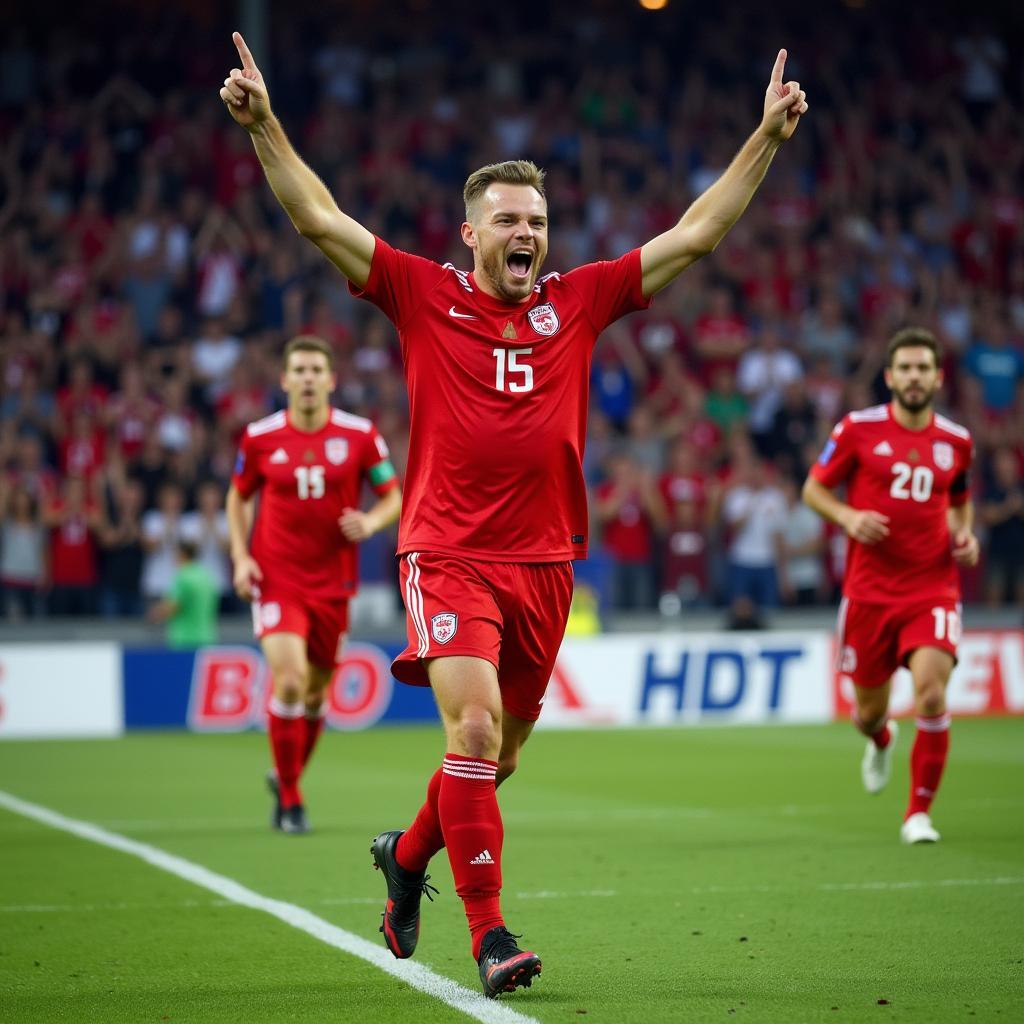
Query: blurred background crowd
x=148, y=279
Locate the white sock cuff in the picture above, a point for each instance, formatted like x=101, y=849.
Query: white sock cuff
x=480, y=771
x=940, y=723
x=279, y=709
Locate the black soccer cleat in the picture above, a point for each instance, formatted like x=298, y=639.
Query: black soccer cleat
x=294, y=820
x=275, y=792
x=401, y=917
x=503, y=965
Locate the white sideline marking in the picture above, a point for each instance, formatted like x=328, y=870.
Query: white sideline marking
x=473, y=1004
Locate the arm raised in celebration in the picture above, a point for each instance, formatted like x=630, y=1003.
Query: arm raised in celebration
x=305, y=198
x=711, y=215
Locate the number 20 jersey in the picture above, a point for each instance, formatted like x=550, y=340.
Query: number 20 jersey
x=913, y=477
x=498, y=396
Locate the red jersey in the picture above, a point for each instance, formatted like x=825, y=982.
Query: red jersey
x=498, y=396
x=305, y=481
x=911, y=476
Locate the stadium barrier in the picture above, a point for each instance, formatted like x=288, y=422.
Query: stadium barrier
x=76, y=690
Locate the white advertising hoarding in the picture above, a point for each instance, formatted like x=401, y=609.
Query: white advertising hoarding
x=667, y=679
x=60, y=691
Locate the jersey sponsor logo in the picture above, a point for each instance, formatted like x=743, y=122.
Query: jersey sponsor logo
x=883, y=448
x=826, y=452
x=461, y=316
x=544, y=319
x=443, y=627
x=942, y=453
x=279, y=456
x=336, y=450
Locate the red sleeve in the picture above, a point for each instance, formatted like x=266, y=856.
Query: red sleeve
x=247, y=477
x=376, y=465
x=838, y=457
x=397, y=282
x=609, y=289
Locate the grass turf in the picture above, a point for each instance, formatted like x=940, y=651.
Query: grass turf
x=663, y=875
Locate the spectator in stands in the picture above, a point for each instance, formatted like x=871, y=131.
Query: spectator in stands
x=997, y=364
x=754, y=509
x=121, y=539
x=631, y=513
x=207, y=529
x=161, y=532
x=24, y=554
x=75, y=523
x=764, y=373
x=1002, y=511
x=801, y=551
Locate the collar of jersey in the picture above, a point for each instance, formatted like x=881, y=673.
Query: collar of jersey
x=481, y=298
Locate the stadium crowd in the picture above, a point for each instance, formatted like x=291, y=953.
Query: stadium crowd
x=149, y=280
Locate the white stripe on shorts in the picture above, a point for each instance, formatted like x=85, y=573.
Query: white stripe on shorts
x=414, y=603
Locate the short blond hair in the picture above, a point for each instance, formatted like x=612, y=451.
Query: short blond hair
x=308, y=343
x=509, y=172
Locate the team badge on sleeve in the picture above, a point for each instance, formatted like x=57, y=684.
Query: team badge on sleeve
x=544, y=319
x=239, y=463
x=443, y=626
x=336, y=450
x=942, y=453
x=826, y=452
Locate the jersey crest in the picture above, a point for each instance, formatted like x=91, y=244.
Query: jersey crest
x=443, y=627
x=544, y=319
x=336, y=450
x=942, y=453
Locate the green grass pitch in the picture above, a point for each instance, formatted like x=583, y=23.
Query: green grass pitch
x=663, y=875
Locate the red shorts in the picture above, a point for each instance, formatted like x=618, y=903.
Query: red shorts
x=323, y=624
x=512, y=614
x=876, y=639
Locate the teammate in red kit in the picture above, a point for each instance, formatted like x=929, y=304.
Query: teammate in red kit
x=308, y=464
x=497, y=365
x=909, y=518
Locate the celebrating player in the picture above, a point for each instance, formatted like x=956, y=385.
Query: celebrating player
x=497, y=366
x=909, y=518
x=308, y=463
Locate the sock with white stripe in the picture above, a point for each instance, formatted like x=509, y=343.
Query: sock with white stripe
x=927, y=760
x=286, y=728
x=467, y=806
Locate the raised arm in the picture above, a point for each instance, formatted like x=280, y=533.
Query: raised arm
x=312, y=209
x=711, y=215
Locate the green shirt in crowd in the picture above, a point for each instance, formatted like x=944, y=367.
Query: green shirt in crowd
x=194, y=591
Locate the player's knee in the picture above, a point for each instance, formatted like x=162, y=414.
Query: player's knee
x=289, y=685
x=477, y=733
x=931, y=698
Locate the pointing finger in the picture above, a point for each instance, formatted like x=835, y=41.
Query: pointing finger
x=243, y=51
x=780, y=64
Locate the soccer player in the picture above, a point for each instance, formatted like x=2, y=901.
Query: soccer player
x=497, y=366
x=308, y=464
x=909, y=518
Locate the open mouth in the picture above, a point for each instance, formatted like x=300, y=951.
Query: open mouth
x=519, y=262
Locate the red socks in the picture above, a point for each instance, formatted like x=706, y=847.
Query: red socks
x=467, y=808
x=423, y=838
x=287, y=730
x=880, y=737
x=927, y=760
x=314, y=720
